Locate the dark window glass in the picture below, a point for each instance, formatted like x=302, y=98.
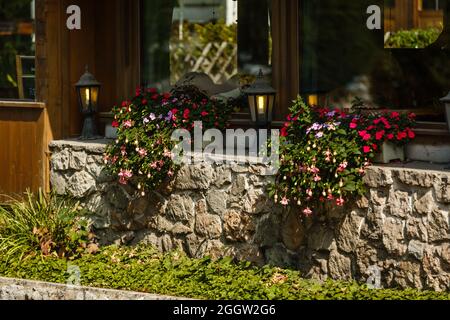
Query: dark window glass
x=342, y=59
x=180, y=37
x=17, y=47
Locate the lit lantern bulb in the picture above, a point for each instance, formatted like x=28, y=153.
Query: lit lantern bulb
x=88, y=95
x=260, y=101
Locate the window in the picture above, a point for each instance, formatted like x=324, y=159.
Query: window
x=183, y=37
x=342, y=59
x=17, y=47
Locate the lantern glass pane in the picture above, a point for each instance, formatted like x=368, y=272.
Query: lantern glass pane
x=85, y=98
x=94, y=98
x=252, y=105
x=270, y=106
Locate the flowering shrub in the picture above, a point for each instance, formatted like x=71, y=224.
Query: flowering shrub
x=142, y=152
x=325, y=153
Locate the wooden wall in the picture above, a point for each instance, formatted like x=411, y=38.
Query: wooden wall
x=107, y=43
x=22, y=151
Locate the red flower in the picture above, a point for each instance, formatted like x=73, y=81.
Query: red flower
x=390, y=136
x=379, y=135
x=186, y=113
x=204, y=113
x=115, y=124
x=353, y=125
x=155, y=96
x=366, y=149
x=284, y=132
x=362, y=133
x=125, y=104
x=401, y=135
x=395, y=115
x=174, y=111
x=144, y=101
x=374, y=147
x=138, y=91
x=370, y=128
x=366, y=137
x=152, y=90
x=340, y=201
x=411, y=134
x=166, y=95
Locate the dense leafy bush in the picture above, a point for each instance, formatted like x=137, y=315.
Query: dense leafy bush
x=142, y=152
x=418, y=38
x=144, y=269
x=44, y=225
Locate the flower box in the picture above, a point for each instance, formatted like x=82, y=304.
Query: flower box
x=389, y=152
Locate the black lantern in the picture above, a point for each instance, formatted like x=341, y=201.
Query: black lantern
x=87, y=90
x=261, y=99
x=446, y=101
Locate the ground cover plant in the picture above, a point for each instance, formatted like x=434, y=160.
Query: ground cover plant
x=144, y=269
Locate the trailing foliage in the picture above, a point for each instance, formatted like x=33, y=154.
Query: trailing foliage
x=146, y=270
x=142, y=152
x=418, y=38
x=44, y=225
x=325, y=153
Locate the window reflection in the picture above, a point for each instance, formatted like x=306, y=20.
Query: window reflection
x=412, y=23
x=341, y=60
x=17, y=47
x=182, y=39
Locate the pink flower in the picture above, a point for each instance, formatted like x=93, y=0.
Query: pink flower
x=307, y=212
x=284, y=201
x=124, y=175
x=128, y=124
x=123, y=150
x=154, y=165
x=170, y=173
x=353, y=125
x=309, y=192
x=204, y=113
x=142, y=152
x=340, y=201
x=342, y=166
x=314, y=170
x=317, y=178
x=167, y=153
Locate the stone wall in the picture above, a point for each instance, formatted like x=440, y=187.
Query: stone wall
x=399, y=230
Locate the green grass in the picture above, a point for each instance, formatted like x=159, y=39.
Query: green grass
x=144, y=269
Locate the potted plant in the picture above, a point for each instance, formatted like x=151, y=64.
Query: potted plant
x=389, y=132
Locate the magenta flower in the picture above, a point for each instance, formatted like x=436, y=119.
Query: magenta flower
x=124, y=176
x=340, y=201
x=128, y=124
